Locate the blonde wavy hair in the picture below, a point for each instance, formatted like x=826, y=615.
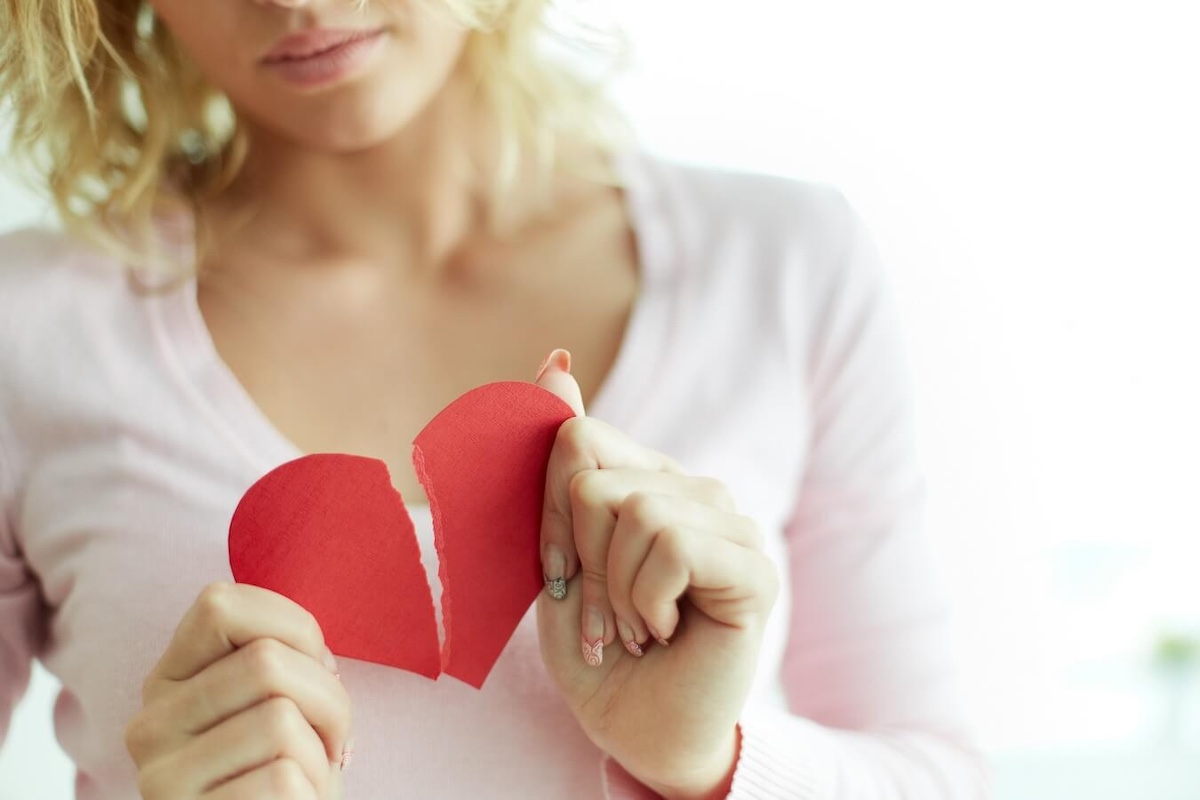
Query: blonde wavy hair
x=112, y=119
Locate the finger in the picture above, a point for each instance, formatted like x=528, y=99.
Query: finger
x=227, y=616
x=282, y=779
x=641, y=518
x=555, y=377
x=583, y=444
x=274, y=729
x=263, y=669
x=664, y=547
x=596, y=496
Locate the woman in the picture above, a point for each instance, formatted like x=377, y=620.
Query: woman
x=409, y=200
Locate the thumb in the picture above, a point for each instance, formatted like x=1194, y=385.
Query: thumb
x=555, y=377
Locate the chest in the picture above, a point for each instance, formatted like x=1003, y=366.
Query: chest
x=360, y=362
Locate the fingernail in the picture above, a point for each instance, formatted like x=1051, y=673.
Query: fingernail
x=555, y=572
x=347, y=754
x=659, y=639
x=631, y=643
x=559, y=359
x=557, y=588
x=331, y=663
x=593, y=637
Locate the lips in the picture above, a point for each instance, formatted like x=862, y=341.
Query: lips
x=314, y=43
x=324, y=57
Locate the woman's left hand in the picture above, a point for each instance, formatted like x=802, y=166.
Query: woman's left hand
x=656, y=602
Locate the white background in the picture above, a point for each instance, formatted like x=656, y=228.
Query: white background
x=1032, y=171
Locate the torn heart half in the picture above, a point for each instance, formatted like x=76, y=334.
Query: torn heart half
x=331, y=533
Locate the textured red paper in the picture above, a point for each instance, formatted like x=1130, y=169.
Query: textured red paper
x=482, y=462
x=330, y=532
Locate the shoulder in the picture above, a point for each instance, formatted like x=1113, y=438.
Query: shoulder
x=46, y=273
x=774, y=215
x=801, y=242
x=792, y=251
x=57, y=297
x=48, y=254
x=772, y=276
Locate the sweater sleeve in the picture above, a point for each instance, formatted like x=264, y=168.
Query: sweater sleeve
x=873, y=712
x=868, y=670
x=21, y=611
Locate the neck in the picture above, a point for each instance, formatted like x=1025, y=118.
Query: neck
x=415, y=199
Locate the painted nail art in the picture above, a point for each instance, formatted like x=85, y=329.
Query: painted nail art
x=554, y=565
x=593, y=654
x=628, y=637
x=593, y=637
x=347, y=755
x=557, y=588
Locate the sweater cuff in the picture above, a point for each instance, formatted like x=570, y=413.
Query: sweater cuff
x=781, y=756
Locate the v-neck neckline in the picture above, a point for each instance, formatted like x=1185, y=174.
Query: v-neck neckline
x=226, y=404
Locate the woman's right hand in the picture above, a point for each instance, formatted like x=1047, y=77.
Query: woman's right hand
x=245, y=704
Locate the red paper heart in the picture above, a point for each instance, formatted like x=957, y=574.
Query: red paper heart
x=303, y=530
x=331, y=533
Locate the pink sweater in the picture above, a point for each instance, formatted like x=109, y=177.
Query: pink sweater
x=763, y=351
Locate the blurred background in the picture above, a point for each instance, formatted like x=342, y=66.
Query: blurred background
x=1031, y=170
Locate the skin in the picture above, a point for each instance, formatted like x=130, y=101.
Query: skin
x=354, y=270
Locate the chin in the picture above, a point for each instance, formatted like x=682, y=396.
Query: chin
x=346, y=121
x=344, y=135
